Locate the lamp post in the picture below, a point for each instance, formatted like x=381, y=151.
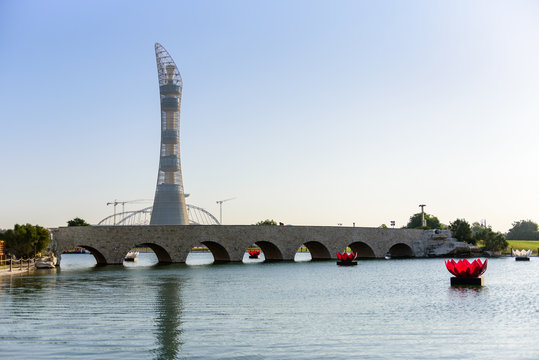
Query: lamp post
x=423, y=221
x=220, y=202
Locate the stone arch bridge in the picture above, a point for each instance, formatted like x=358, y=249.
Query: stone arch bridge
x=228, y=243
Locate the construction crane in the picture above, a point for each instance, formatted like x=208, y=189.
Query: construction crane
x=220, y=202
x=116, y=202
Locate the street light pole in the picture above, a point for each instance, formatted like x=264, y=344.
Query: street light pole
x=220, y=202
x=423, y=221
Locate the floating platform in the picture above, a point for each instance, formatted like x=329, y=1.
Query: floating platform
x=522, y=258
x=346, y=263
x=475, y=281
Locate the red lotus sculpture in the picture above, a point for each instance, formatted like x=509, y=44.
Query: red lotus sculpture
x=465, y=269
x=253, y=254
x=346, y=258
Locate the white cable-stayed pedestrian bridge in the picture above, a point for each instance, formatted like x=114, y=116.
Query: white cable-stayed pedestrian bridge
x=196, y=215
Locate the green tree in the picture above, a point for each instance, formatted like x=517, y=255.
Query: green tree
x=26, y=240
x=523, y=230
x=493, y=241
x=432, y=222
x=477, y=227
x=383, y=226
x=462, y=231
x=77, y=222
x=267, y=222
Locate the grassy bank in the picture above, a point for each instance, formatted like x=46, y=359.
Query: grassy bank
x=522, y=244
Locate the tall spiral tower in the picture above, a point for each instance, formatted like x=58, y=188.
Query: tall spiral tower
x=169, y=202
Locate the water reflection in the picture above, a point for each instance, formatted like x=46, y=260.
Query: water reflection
x=206, y=258
x=26, y=285
x=168, y=318
x=465, y=290
x=199, y=258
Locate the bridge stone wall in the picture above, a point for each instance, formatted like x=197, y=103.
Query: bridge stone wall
x=228, y=243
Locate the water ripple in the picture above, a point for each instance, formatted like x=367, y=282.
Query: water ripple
x=376, y=310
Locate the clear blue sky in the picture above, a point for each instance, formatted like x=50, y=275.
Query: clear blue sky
x=307, y=112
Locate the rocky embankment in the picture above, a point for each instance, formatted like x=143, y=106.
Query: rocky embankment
x=441, y=243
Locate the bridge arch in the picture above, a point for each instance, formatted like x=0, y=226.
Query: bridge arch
x=99, y=257
x=163, y=257
x=220, y=254
x=271, y=252
x=318, y=250
x=400, y=251
x=363, y=250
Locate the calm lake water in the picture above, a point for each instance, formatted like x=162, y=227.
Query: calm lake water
x=380, y=309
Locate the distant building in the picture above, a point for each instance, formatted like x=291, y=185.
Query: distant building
x=169, y=202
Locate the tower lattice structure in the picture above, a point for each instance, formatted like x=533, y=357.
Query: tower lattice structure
x=169, y=203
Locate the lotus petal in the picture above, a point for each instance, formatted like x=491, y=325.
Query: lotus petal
x=451, y=266
x=483, y=268
x=460, y=268
x=475, y=268
x=339, y=256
